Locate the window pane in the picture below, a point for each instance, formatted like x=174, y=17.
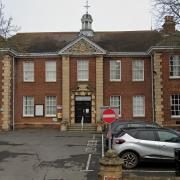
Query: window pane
x=28, y=106
x=82, y=70
x=174, y=66
x=115, y=70
x=175, y=105
x=51, y=71
x=28, y=68
x=138, y=106
x=51, y=105
x=167, y=136
x=145, y=135
x=138, y=70
x=115, y=101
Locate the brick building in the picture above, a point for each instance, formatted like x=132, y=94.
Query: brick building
x=74, y=74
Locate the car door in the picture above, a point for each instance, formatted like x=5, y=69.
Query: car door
x=148, y=146
x=168, y=141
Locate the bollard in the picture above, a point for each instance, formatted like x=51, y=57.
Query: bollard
x=110, y=167
x=177, y=161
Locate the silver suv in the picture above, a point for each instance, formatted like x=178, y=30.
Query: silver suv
x=141, y=144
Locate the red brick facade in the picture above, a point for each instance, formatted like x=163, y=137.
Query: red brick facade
x=170, y=87
x=126, y=88
x=39, y=89
x=98, y=48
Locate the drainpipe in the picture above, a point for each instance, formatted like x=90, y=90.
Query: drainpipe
x=152, y=87
x=13, y=93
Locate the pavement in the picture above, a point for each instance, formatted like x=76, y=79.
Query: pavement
x=46, y=154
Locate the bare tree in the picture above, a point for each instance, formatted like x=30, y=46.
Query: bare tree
x=162, y=8
x=6, y=26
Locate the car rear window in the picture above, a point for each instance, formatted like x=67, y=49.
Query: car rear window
x=132, y=133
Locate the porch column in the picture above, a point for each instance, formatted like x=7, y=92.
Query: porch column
x=65, y=88
x=99, y=86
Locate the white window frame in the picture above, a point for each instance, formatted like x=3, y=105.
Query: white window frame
x=113, y=104
x=176, y=104
x=138, y=105
x=50, y=73
x=83, y=70
x=29, y=105
x=49, y=105
x=172, y=61
x=28, y=71
x=137, y=67
x=114, y=70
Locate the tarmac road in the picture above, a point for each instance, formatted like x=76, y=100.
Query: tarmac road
x=44, y=154
x=48, y=155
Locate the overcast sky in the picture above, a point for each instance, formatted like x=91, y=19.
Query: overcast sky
x=65, y=15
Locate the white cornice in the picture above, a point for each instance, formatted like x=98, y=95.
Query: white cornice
x=160, y=48
x=108, y=54
x=24, y=55
x=127, y=54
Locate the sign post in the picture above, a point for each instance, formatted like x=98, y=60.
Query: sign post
x=109, y=116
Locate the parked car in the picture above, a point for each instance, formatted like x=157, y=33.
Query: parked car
x=146, y=144
x=117, y=126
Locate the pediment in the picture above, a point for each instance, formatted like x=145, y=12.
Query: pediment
x=82, y=46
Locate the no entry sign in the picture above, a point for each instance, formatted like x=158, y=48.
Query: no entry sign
x=109, y=116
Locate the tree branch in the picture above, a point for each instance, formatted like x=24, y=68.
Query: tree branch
x=6, y=26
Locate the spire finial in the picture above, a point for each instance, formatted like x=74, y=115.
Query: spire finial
x=87, y=6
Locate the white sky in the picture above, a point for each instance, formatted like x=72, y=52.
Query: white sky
x=65, y=15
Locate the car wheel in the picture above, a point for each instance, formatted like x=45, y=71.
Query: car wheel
x=130, y=159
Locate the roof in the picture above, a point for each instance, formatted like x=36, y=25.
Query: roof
x=170, y=40
x=117, y=41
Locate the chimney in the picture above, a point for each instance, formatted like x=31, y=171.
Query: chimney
x=169, y=24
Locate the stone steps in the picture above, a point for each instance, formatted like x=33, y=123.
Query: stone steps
x=78, y=128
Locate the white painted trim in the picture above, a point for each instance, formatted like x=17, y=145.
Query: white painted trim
x=120, y=74
x=127, y=54
x=146, y=53
x=137, y=80
x=153, y=48
x=144, y=101
x=27, y=115
x=174, y=77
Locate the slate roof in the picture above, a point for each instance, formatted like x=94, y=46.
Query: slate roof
x=170, y=40
x=122, y=41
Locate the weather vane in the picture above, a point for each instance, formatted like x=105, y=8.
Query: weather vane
x=87, y=6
